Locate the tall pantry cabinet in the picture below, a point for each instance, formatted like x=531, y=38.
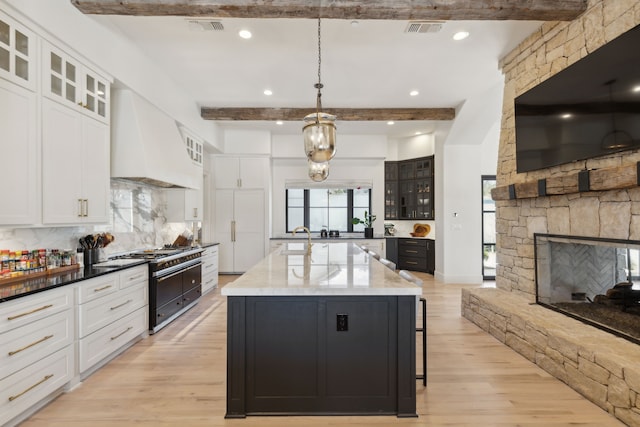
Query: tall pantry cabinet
x=240, y=211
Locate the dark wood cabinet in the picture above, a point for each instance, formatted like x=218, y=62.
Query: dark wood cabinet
x=321, y=355
x=415, y=254
x=410, y=195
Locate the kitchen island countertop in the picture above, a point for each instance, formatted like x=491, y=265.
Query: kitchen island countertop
x=333, y=268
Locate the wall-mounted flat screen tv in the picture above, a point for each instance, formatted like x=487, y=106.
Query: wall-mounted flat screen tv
x=589, y=109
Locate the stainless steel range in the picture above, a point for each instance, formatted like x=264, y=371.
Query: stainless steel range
x=175, y=281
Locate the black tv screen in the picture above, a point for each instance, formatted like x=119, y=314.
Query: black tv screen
x=589, y=109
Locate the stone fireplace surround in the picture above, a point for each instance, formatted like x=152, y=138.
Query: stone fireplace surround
x=602, y=367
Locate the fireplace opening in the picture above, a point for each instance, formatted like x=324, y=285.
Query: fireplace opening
x=593, y=280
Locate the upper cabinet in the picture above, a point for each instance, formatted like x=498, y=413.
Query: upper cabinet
x=75, y=166
x=68, y=81
x=17, y=53
x=19, y=148
x=241, y=172
x=410, y=194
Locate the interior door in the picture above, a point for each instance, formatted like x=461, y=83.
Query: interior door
x=249, y=235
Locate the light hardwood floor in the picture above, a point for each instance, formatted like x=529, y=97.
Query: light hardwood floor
x=177, y=378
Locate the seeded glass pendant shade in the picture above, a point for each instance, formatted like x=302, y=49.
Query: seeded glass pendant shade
x=318, y=172
x=319, y=137
x=319, y=132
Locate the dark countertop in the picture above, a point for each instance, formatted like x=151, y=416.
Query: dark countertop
x=206, y=245
x=409, y=237
x=29, y=286
x=316, y=237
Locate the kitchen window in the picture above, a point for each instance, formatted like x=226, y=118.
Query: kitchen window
x=328, y=208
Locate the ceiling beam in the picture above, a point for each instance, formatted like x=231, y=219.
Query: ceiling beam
x=344, y=114
x=537, y=10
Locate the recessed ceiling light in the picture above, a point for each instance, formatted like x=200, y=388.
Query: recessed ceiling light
x=268, y=92
x=636, y=89
x=391, y=122
x=418, y=133
x=461, y=35
x=566, y=116
x=354, y=23
x=279, y=122
x=245, y=34
x=414, y=93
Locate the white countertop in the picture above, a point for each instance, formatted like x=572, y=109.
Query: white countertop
x=335, y=268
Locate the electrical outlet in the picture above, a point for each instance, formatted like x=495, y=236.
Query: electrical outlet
x=342, y=322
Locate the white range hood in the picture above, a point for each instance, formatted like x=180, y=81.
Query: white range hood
x=146, y=145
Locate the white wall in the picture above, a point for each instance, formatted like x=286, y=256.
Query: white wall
x=469, y=152
x=359, y=158
x=109, y=51
x=238, y=141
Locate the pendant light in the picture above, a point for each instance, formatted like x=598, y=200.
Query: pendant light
x=318, y=172
x=319, y=130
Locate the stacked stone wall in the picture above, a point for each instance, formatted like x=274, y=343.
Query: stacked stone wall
x=598, y=365
x=614, y=214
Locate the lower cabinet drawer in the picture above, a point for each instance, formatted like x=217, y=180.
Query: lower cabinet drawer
x=20, y=391
x=23, y=346
x=102, y=343
x=101, y=312
x=209, y=282
x=416, y=264
x=25, y=310
x=412, y=251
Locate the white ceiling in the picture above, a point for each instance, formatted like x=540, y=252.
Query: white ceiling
x=368, y=64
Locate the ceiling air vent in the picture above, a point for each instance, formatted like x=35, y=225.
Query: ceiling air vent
x=423, y=26
x=205, y=25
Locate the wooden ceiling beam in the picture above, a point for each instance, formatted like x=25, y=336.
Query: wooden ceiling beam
x=537, y=10
x=342, y=114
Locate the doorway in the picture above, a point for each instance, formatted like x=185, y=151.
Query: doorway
x=488, y=228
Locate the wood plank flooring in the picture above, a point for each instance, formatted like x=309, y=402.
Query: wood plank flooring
x=177, y=378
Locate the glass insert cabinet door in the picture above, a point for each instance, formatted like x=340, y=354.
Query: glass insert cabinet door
x=17, y=49
x=68, y=81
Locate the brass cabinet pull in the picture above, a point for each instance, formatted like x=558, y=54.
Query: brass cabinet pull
x=11, y=353
x=102, y=288
x=195, y=212
x=411, y=262
x=14, y=397
x=410, y=242
x=86, y=207
x=122, y=333
x=136, y=277
x=44, y=307
x=79, y=207
x=121, y=305
x=411, y=252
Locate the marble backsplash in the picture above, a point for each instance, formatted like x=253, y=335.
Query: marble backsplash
x=137, y=221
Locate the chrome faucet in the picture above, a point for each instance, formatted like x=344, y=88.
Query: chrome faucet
x=302, y=227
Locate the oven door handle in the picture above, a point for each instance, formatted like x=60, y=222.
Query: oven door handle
x=176, y=268
x=160, y=279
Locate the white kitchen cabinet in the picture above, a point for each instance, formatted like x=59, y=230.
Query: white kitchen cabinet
x=113, y=310
x=17, y=53
x=75, y=166
x=184, y=205
x=209, y=269
x=68, y=81
x=36, y=349
x=241, y=172
x=239, y=228
x=19, y=152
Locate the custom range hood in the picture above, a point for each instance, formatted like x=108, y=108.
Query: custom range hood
x=146, y=145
